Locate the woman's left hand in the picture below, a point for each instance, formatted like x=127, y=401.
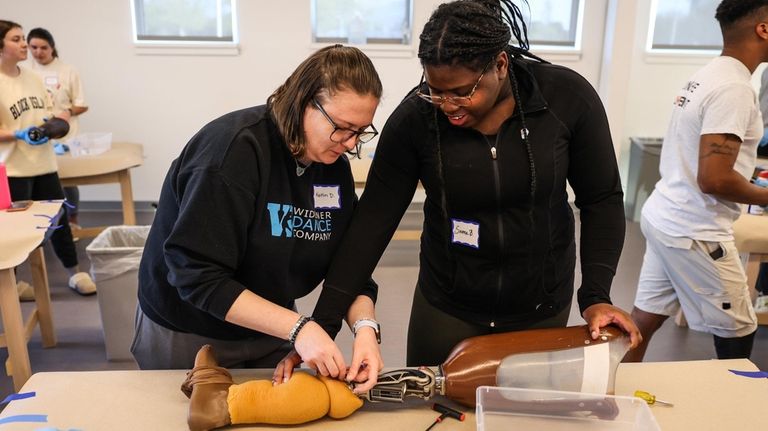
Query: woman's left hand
x=600, y=315
x=366, y=361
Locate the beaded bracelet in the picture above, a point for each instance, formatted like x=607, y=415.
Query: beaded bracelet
x=303, y=320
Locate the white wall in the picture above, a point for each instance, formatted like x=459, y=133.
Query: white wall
x=160, y=101
x=652, y=84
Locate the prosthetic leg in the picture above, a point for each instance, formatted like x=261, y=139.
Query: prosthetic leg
x=564, y=359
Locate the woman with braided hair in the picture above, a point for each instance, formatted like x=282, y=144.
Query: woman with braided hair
x=493, y=134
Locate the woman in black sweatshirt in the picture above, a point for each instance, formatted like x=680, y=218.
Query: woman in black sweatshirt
x=248, y=217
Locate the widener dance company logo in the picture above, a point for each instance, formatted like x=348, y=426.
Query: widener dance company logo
x=289, y=221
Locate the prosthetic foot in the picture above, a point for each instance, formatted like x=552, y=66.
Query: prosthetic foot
x=207, y=387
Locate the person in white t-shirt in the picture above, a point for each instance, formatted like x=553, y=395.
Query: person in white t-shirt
x=707, y=158
x=66, y=89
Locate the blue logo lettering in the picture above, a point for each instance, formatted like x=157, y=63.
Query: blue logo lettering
x=279, y=216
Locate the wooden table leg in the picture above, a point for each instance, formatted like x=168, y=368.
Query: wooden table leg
x=126, y=193
x=42, y=297
x=14, y=329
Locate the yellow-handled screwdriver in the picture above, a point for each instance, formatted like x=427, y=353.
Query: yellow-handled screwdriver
x=651, y=399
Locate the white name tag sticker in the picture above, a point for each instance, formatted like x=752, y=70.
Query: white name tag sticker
x=465, y=232
x=327, y=197
x=52, y=81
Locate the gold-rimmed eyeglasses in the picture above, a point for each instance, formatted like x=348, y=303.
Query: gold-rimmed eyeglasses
x=453, y=100
x=340, y=135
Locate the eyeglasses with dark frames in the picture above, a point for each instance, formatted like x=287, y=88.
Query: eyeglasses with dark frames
x=460, y=101
x=343, y=134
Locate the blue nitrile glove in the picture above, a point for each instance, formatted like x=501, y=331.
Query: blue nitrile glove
x=60, y=148
x=24, y=135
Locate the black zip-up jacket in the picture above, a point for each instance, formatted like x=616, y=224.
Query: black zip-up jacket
x=523, y=267
x=233, y=215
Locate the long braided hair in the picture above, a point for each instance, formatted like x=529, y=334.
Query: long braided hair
x=469, y=33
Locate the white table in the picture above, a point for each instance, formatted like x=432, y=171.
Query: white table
x=706, y=397
x=21, y=233
x=751, y=236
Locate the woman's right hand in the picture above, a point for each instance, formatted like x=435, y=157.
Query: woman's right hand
x=319, y=352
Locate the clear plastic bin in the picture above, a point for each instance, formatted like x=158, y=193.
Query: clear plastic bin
x=90, y=144
x=533, y=409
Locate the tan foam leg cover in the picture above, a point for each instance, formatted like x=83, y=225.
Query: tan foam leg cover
x=302, y=399
x=343, y=401
x=216, y=402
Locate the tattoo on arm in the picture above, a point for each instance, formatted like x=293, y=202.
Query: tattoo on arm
x=725, y=148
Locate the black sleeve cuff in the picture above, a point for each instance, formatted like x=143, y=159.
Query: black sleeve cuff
x=595, y=286
x=332, y=306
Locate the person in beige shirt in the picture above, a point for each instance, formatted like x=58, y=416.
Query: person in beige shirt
x=66, y=90
x=30, y=161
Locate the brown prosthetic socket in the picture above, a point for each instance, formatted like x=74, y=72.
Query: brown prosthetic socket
x=207, y=387
x=475, y=361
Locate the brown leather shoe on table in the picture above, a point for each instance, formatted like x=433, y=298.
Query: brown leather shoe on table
x=207, y=386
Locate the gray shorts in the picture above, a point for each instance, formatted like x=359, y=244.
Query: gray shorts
x=156, y=347
x=705, y=278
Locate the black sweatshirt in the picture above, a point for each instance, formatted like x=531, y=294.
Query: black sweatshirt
x=522, y=269
x=233, y=215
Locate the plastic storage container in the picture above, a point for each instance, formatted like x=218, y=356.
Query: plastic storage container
x=532, y=409
x=115, y=255
x=90, y=144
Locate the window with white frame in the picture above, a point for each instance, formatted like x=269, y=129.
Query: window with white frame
x=684, y=25
x=184, y=21
x=553, y=23
x=362, y=21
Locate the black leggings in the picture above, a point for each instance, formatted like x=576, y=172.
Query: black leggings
x=734, y=348
x=432, y=333
x=42, y=188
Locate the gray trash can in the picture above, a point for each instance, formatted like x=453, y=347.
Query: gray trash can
x=115, y=255
x=643, y=174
